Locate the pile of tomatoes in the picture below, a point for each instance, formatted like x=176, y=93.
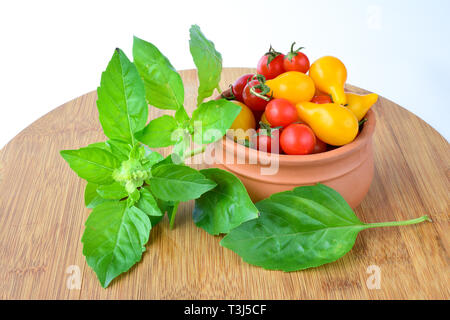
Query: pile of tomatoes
x=278, y=103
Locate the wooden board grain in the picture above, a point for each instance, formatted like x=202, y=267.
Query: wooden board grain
x=42, y=218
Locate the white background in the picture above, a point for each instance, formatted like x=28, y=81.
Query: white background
x=54, y=51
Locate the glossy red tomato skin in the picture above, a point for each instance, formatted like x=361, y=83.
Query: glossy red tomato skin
x=321, y=99
x=239, y=86
x=268, y=143
x=250, y=100
x=297, y=139
x=299, y=62
x=281, y=113
x=273, y=70
x=320, y=146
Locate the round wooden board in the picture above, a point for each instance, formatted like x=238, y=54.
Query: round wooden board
x=42, y=217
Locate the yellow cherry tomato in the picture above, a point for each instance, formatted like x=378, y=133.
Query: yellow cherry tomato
x=293, y=86
x=332, y=123
x=245, y=121
x=360, y=104
x=329, y=75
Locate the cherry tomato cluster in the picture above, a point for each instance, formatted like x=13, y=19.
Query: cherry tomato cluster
x=280, y=130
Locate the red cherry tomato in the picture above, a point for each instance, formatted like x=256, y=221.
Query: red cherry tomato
x=281, y=113
x=320, y=146
x=296, y=61
x=321, y=99
x=252, y=101
x=271, y=64
x=297, y=139
x=267, y=140
x=239, y=86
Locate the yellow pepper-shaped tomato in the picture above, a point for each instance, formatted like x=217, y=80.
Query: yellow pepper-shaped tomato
x=245, y=120
x=329, y=75
x=332, y=123
x=293, y=86
x=360, y=104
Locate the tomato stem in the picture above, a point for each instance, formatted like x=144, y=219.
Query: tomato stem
x=261, y=86
x=271, y=54
x=259, y=95
x=230, y=96
x=293, y=52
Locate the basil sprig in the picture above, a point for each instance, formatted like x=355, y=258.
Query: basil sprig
x=130, y=187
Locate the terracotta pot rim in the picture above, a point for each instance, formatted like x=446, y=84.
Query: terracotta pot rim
x=360, y=140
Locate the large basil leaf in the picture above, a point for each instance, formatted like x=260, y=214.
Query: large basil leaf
x=159, y=132
x=114, y=239
x=171, y=182
x=300, y=229
x=121, y=103
x=92, y=164
x=212, y=119
x=208, y=62
x=163, y=85
x=224, y=207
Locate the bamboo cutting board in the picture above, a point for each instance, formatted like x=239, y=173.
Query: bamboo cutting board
x=42, y=218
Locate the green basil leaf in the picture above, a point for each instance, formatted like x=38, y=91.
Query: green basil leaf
x=120, y=149
x=166, y=160
x=100, y=145
x=171, y=182
x=114, y=239
x=224, y=207
x=91, y=197
x=212, y=119
x=113, y=191
x=148, y=204
x=92, y=164
x=208, y=62
x=295, y=232
x=164, y=206
x=160, y=132
x=151, y=158
x=300, y=229
x=181, y=116
x=163, y=85
x=121, y=103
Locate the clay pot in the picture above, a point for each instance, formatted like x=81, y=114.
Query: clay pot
x=347, y=169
